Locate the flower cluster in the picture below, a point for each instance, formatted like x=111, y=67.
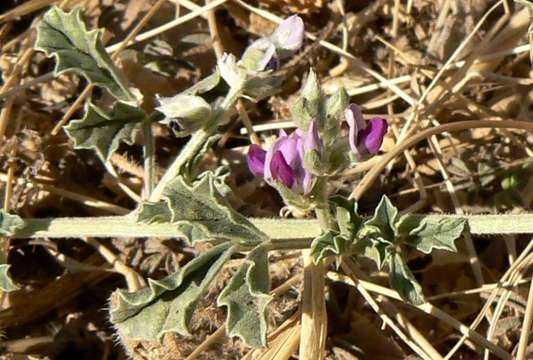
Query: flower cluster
x=286, y=162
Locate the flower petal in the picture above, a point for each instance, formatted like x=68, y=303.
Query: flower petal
x=372, y=136
x=311, y=139
x=256, y=160
x=289, y=35
x=356, y=123
x=281, y=171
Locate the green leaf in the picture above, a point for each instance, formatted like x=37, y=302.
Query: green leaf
x=65, y=36
x=246, y=297
x=9, y=223
x=329, y=243
x=103, y=132
x=384, y=220
x=375, y=250
x=6, y=282
x=435, y=234
x=403, y=281
x=346, y=216
x=200, y=213
x=168, y=304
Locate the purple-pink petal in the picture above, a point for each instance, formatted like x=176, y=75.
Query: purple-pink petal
x=356, y=123
x=256, y=160
x=281, y=171
x=372, y=136
x=289, y=35
x=311, y=139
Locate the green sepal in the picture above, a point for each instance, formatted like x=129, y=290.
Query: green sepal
x=334, y=108
x=103, y=132
x=65, y=36
x=167, y=304
x=309, y=104
x=246, y=297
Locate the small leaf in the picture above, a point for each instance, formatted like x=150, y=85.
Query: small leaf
x=6, y=282
x=103, y=132
x=200, y=213
x=403, y=281
x=168, y=304
x=65, y=36
x=246, y=297
x=375, y=250
x=327, y=244
x=436, y=234
x=346, y=216
x=9, y=223
x=384, y=220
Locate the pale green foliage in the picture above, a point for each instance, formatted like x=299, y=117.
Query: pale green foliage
x=383, y=223
x=403, y=281
x=379, y=238
x=435, y=234
x=168, y=304
x=246, y=297
x=65, y=36
x=6, y=282
x=200, y=213
x=9, y=223
x=103, y=132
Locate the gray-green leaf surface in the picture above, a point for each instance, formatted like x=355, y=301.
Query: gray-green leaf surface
x=65, y=36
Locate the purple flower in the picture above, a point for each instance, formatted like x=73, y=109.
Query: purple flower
x=289, y=35
x=283, y=163
x=365, y=138
x=267, y=53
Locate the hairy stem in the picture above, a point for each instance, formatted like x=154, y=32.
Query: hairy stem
x=276, y=229
x=149, y=158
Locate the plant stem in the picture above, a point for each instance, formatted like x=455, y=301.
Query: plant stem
x=149, y=158
x=195, y=144
x=276, y=229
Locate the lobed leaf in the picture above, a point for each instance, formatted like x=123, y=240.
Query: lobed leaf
x=384, y=220
x=403, y=281
x=436, y=234
x=65, y=36
x=168, y=304
x=246, y=296
x=200, y=212
x=103, y=132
